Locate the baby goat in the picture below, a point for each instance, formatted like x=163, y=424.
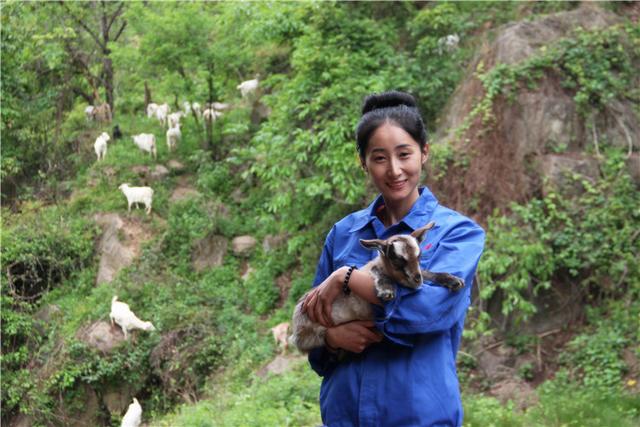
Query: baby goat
x=398, y=262
x=128, y=321
x=133, y=417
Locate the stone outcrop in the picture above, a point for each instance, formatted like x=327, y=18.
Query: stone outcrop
x=209, y=252
x=243, y=245
x=534, y=136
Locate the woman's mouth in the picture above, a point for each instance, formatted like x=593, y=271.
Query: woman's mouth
x=396, y=185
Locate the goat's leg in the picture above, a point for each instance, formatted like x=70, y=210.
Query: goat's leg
x=449, y=281
x=385, y=288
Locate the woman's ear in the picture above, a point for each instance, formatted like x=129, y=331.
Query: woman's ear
x=425, y=153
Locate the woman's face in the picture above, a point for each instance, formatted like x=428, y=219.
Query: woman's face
x=394, y=160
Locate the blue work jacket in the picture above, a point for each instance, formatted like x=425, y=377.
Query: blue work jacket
x=408, y=379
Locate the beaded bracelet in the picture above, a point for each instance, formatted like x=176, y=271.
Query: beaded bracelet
x=345, y=285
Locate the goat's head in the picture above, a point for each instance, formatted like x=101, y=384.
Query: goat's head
x=401, y=256
x=148, y=326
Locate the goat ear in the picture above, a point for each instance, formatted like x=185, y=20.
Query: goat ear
x=374, y=244
x=421, y=232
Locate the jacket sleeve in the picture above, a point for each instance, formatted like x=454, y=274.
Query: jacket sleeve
x=321, y=359
x=432, y=308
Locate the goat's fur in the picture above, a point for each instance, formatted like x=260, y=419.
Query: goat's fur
x=126, y=319
x=101, y=145
x=137, y=195
x=133, y=416
x=398, y=262
x=174, y=135
x=146, y=142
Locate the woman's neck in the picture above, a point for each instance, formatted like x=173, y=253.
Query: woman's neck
x=395, y=211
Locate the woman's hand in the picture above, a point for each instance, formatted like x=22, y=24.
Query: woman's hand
x=318, y=302
x=353, y=336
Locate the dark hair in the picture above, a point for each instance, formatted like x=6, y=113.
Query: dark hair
x=395, y=107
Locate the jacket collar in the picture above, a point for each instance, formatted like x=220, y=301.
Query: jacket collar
x=418, y=215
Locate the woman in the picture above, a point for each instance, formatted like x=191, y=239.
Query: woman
x=403, y=368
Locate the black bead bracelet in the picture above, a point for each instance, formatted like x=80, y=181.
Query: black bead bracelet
x=345, y=285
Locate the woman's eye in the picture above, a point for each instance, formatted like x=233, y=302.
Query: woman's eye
x=378, y=159
x=404, y=155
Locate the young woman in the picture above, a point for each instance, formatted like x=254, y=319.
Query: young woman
x=402, y=371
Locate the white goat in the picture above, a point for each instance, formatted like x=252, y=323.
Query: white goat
x=151, y=109
x=126, y=319
x=186, y=108
x=137, y=195
x=280, y=335
x=197, y=109
x=448, y=43
x=173, y=136
x=210, y=115
x=248, y=87
x=101, y=145
x=88, y=112
x=133, y=417
x=173, y=119
x=162, y=112
x=219, y=106
x=398, y=262
x=146, y=142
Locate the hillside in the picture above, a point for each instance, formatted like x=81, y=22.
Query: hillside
x=534, y=124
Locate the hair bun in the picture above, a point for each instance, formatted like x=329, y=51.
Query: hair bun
x=387, y=100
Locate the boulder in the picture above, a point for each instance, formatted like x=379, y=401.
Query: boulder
x=558, y=169
x=533, y=136
x=209, y=252
x=272, y=242
x=101, y=336
x=243, y=245
x=175, y=166
x=159, y=172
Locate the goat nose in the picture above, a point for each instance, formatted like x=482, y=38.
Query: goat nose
x=417, y=278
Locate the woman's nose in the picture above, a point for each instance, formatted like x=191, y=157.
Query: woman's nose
x=394, y=168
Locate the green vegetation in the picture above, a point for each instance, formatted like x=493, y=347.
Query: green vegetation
x=290, y=173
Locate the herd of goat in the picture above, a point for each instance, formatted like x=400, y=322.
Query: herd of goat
x=146, y=142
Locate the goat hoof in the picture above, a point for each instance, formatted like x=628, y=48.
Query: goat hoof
x=386, y=295
x=456, y=284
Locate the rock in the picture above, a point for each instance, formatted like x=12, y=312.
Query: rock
x=117, y=399
x=159, y=172
x=209, y=252
x=115, y=254
x=183, y=193
x=496, y=364
x=140, y=170
x=557, y=169
x=101, y=336
x=280, y=365
x=516, y=390
x=505, y=161
x=243, y=245
x=175, y=166
x=271, y=242
x=45, y=316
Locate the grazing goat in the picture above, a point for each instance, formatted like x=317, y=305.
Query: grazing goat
x=117, y=133
x=88, y=112
x=162, y=112
x=137, y=195
x=151, y=109
x=173, y=119
x=146, y=142
x=101, y=145
x=398, y=262
x=102, y=113
x=197, y=109
x=280, y=335
x=210, y=115
x=124, y=317
x=173, y=136
x=248, y=87
x=133, y=417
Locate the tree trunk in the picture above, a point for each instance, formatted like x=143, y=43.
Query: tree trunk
x=147, y=95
